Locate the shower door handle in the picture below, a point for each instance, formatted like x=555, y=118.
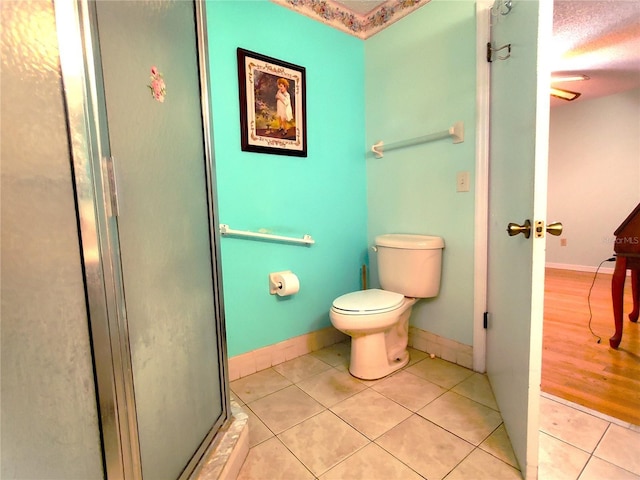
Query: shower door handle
x=111, y=187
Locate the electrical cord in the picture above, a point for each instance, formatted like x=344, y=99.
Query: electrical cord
x=610, y=259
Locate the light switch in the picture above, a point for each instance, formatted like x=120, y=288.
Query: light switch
x=463, y=182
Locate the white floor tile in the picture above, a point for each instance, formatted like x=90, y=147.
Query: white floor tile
x=477, y=388
x=331, y=387
x=499, y=445
x=258, y=385
x=482, y=466
x=371, y=463
x=272, y=460
x=440, y=372
x=620, y=446
x=408, y=390
x=558, y=460
x=302, y=367
x=598, y=469
x=371, y=413
x=285, y=408
x=322, y=441
x=432, y=419
x=426, y=448
x=570, y=425
x=462, y=416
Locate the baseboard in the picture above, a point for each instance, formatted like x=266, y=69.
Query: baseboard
x=445, y=348
x=265, y=357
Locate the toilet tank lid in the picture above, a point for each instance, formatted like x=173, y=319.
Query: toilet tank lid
x=372, y=301
x=410, y=241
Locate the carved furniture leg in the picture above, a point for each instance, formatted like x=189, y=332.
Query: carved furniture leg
x=617, y=292
x=635, y=277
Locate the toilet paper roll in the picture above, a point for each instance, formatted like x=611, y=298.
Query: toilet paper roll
x=287, y=284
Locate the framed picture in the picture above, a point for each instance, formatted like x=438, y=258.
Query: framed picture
x=272, y=105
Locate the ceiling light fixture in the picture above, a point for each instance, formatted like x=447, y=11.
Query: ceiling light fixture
x=564, y=94
x=561, y=93
x=568, y=78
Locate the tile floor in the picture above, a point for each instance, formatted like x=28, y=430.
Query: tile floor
x=310, y=419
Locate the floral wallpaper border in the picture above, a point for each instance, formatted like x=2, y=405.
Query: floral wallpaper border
x=361, y=26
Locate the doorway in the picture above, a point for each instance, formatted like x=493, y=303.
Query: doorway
x=593, y=186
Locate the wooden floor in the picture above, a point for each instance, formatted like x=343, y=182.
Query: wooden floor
x=574, y=366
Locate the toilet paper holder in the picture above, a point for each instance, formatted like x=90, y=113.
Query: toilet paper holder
x=276, y=285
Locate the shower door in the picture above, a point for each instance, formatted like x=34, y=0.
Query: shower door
x=166, y=393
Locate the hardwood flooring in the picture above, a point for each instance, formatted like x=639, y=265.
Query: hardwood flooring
x=574, y=366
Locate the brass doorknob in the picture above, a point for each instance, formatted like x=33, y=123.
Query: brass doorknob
x=515, y=229
x=554, y=228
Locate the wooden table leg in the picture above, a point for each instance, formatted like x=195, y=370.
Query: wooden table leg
x=617, y=292
x=635, y=277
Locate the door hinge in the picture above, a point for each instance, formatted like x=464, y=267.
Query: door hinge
x=111, y=190
x=485, y=319
x=491, y=51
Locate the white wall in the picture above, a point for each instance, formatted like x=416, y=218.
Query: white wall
x=594, y=176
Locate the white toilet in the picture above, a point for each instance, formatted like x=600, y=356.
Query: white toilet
x=409, y=268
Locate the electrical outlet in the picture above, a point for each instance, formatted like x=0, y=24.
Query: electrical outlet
x=462, y=182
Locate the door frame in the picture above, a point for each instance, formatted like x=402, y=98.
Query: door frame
x=99, y=245
x=481, y=221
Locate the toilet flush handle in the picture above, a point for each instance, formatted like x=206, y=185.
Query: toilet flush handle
x=374, y=248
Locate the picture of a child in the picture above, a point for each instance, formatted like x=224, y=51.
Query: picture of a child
x=284, y=112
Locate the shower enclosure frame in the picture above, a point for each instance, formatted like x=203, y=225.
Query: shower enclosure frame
x=88, y=137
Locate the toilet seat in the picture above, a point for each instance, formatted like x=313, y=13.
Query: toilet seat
x=365, y=302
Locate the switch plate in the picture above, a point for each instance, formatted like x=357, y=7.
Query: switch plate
x=463, y=182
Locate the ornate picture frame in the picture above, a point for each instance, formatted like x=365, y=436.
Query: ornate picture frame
x=272, y=105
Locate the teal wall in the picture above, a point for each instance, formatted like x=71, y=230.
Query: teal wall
x=420, y=78
x=323, y=194
x=413, y=78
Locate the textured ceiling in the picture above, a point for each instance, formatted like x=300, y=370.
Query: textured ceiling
x=598, y=38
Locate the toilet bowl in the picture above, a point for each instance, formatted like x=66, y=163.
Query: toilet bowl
x=378, y=319
x=378, y=323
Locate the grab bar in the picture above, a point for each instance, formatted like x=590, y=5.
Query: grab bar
x=225, y=230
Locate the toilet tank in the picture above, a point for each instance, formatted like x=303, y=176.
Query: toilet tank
x=410, y=264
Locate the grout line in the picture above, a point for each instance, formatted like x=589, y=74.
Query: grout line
x=610, y=420
x=601, y=438
x=566, y=442
x=295, y=456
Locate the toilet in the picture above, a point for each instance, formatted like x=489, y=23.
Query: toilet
x=409, y=268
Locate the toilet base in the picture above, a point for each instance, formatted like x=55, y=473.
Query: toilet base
x=369, y=357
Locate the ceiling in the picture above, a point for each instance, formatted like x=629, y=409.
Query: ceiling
x=600, y=39
x=597, y=38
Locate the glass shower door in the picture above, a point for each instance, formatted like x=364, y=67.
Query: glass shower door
x=150, y=67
